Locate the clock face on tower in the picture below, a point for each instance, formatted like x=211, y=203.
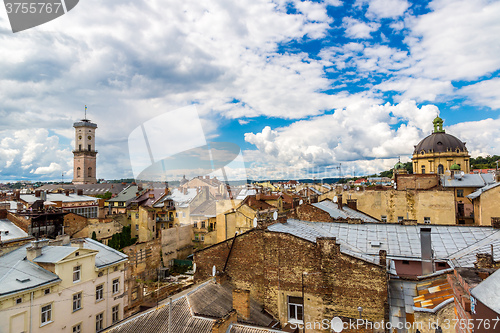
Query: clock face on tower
x=89, y=137
x=80, y=137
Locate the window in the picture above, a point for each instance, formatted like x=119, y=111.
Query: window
x=427, y=220
x=176, y=214
x=77, y=328
x=76, y=273
x=295, y=309
x=78, y=171
x=440, y=169
x=46, y=314
x=183, y=214
x=203, y=224
x=383, y=218
x=136, y=215
x=406, y=262
x=423, y=169
x=136, y=227
x=99, y=322
x=115, y=314
x=195, y=237
x=116, y=286
x=195, y=225
x=80, y=147
x=77, y=302
x=19, y=300
x=202, y=238
x=460, y=193
x=90, y=149
x=400, y=218
x=99, y=292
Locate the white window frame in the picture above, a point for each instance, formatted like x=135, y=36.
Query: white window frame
x=202, y=237
x=292, y=317
x=77, y=328
x=99, y=322
x=46, y=315
x=116, y=286
x=99, y=293
x=115, y=316
x=78, y=271
x=77, y=302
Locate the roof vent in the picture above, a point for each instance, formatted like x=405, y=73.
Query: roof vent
x=375, y=243
x=23, y=280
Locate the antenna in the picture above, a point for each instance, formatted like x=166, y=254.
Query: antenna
x=85, y=112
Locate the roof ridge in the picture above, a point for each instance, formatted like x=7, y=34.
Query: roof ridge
x=485, y=241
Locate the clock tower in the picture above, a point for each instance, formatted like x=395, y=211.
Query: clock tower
x=84, y=155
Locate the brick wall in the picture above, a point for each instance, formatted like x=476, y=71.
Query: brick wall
x=417, y=181
x=74, y=223
x=271, y=265
x=307, y=212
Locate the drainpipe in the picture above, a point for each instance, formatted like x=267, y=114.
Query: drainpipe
x=31, y=304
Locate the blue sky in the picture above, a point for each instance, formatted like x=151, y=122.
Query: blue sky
x=300, y=86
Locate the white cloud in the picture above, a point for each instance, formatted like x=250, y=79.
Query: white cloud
x=481, y=137
x=457, y=40
x=387, y=8
x=355, y=133
x=419, y=89
x=27, y=152
x=357, y=29
x=484, y=93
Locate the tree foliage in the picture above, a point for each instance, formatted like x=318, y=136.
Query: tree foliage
x=122, y=239
x=487, y=162
x=105, y=196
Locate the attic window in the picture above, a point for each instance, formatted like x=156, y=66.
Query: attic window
x=23, y=280
x=19, y=300
x=375, y=243
x=440, y=143
x=77, y=254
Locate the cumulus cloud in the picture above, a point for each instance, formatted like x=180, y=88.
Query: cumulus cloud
x=484, y=93
x=387, y=8
x=358, y=29
x=482, y=137
x=24, y=153
x=354, y=133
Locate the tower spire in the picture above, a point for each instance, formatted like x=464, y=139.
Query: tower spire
x=85, y=112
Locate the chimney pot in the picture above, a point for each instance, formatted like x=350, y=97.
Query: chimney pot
x=426, y=250
x=241, y=303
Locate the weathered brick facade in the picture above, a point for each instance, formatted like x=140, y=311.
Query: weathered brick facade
x=307, y=212
x=273, y=266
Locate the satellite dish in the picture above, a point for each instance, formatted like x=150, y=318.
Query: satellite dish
x=345, y=187
x=301, y=202
x=275, y=216
x=255, y=222
x=395, y=186
x=194, y=268
x=392, y=181
x=357, y=188
x=213, y=270
x=462, y=173
x=335, y=199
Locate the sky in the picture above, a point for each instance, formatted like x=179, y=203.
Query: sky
x=304, y=88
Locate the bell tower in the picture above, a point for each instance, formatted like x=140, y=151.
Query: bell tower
x=84, y=155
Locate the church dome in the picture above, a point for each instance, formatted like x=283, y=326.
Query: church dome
x=439, y=141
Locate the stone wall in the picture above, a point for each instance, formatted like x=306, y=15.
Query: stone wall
x=274, y=266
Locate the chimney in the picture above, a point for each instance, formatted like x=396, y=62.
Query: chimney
x=426, y=250
x=79, y=191
x=78, y=242
x=484, y=260
x=495, y=222
x=166, y=188
x=37, y=193
x=66, y=192
x=339, y=201
x=382, y=258
x=241, y=303
x=452, y=174
x=35, y=250
x=352, y=203
x=151, y=195
x=258, y=196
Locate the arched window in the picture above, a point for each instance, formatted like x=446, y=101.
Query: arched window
x=78, y=172
x=90, y=172
x=440, y=169
x=423, y=169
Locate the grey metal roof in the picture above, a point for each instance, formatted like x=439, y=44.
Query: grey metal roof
x=449, y=242
x=128, y=193
x=53, y=254
x=106, y=255
x=88, y=189
x=215, y=300
x=477, y=193
x=468, y=180
x=237, y=328
x=18, y=274
x=178, y=197
x=14, y=232
x=31, y=198
x=488, y=292
x=344, y=213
